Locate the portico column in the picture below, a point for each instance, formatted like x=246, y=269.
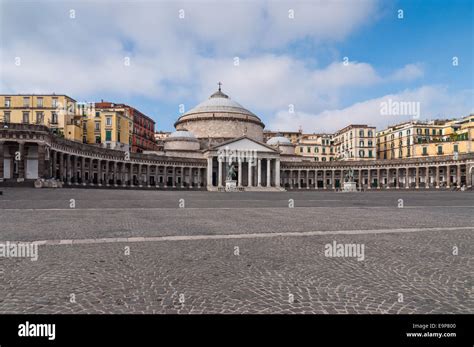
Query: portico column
x=68, y=169
x=165, y=176
x=148, y=176
x=448, y=176
x=458, y=175
x=417, y=178
x=249, y=183
x=407, y=174
x=209, y=172
x=199, y=178
x=83, y=170
x=219, y=175
x=316, y=179
x=61, y=166
x=268, y=172
x=397, y=185
x=21, y=162
x=437, y=178
x=41, y=161
x=307, y=179
x=277, y=173
x=333, y=178
x=174, y=176
x=379, y=184
x=259, y=173
x=74, y=170
x=130, y=176
x=325, y=186
x=99, y=172
x=239, y=178
x=299, y=179
x=388, y=178
x=427, y=177
x=369, y=179
x=182, y=176
x=360, y=179
x=468, y=176
x=114, y=173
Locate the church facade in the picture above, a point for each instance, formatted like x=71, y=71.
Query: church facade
x=216, y=142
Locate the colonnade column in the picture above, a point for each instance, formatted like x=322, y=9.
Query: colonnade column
x=407, y=174
x=437, y=178
x=379, y=183
x=448, y=176
x=397, y=173
x=333, y=178
x=249, y=183
x=427, y=177
x=182, y=176
x=239, y=173
x=259, y=173
x=1, y=161
x=277, y=173
x=219, y=173
x=209, y=172
x=368, y=179
x=458, y=175
x=268, y=172
x=417, y=178
x=316, y=179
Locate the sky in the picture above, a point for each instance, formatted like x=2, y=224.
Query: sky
x=316, y=65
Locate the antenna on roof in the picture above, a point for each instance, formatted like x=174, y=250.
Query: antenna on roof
x=219, y=84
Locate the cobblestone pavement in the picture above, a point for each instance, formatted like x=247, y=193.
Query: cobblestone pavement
x=421, y=271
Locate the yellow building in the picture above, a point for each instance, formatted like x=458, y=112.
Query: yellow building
x=107, y=124
x=58, y=112
x=317, y=146
x=415, y=139
x=355, y=142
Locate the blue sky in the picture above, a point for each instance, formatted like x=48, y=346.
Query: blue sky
x=283, y=60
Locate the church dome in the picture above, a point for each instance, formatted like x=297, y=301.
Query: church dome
x=278, y=140
x=221, y=118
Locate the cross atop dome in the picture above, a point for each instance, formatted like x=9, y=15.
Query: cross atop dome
x=219, y=93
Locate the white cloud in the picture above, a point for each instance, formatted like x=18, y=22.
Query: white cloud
x=408, y=73
x=435, y=102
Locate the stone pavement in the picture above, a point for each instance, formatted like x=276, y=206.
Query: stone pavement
x=138, y=252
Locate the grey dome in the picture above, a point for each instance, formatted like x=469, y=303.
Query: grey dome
x=278, y=140
x=219, y=102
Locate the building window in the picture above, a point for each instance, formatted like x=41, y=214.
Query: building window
x=361, y=154
x=97, y=126
x=370, y=133
x=308, y=149
x=370, y=153
x=6, y=117
x=370, y=143
x=425, y=150
x=84, y=139
x=26, y=117
x=7, y=102
x=456, y=148
x=108, y=135
x=26, y=101
x=54, y=117
x=55, y=102
x=440, y=149
x=97, y=139
x=108, y=121
x=39, y=117
x=97, y=114
x=361, y=143
x=39, y=102
x=361, y=133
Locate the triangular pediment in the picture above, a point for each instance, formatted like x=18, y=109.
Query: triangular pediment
x=244, y=143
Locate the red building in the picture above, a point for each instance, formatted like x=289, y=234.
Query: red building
x=143, y=138
x=143, y=135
